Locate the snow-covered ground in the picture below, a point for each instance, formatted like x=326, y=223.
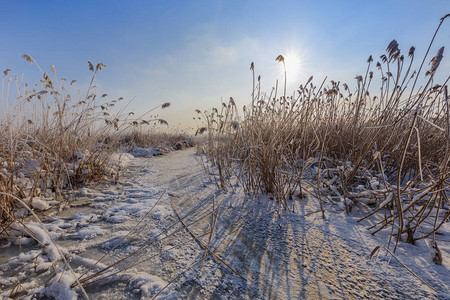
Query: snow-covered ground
x=166, y=231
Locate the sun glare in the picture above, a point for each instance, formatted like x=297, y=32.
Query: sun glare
x=293, y=67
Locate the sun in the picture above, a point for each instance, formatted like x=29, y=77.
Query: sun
x=294, y=67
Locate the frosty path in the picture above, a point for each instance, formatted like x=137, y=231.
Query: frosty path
x=253, y=253
x=288, y=258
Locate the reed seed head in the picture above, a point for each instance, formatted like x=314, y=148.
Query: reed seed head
x=411, y=51
x=435, y=61
x=100, y=66
x=392, y=49
x=280, y=58
x=28, y=58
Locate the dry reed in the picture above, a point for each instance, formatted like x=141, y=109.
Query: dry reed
x=330, y=139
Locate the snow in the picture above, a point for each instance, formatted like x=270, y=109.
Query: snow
x=147, y=285
x=39, y=204
x=119, y=217
x=59, y=288
x=33, y=230
x=37, y=234
x=297, y=255
x=116, y=240
x=122, y=159
x=85, y=192
x=89, y=232
x=145, y=152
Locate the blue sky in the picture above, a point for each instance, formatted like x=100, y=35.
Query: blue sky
x=195, y=53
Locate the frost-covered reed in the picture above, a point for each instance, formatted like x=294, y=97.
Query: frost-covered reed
x=331, y=138
x=55, y=138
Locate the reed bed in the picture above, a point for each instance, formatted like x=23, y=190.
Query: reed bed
x=145, y=138
x=388, y=150
x=55, y=139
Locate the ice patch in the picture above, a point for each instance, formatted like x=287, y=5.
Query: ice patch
x=138, y=193
x=142, y=152
x=148, y=285
x=84, y=219
x=110, y=192
x=118, y=218
x=59, y=288
x=160, y=212
x=43, y=266
x=90, y=232
x=374, y=184
x=25, y=257
x=85, y=192
x=39, y=204
x=33, y=230
x=23, y=241
x=119, y=240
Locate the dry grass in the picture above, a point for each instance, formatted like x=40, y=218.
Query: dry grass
x=54, y=138
x=324, y=140
x=52, y=143
x=330, y=139
x=146, y=138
